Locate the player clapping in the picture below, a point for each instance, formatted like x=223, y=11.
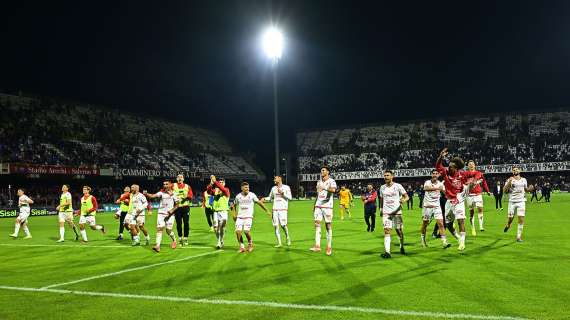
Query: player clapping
x=165, y=218
x=281, y=195
x=244, y=202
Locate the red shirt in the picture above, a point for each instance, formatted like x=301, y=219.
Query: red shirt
x=224, y=190
x=477, y=190
x=125, y=197
x=453, y=183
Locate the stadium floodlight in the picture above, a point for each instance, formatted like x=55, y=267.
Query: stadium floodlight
x=273, y=43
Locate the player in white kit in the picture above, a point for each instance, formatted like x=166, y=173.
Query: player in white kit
x=431, y=208
x=281, y=194
x=165, y=217
x=24, y=203
x=392, y=196
x=515, y=187
x=244, y=202
x=323, y=209
x=136, y=216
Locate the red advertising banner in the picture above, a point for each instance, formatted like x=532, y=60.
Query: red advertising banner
x=19, y=168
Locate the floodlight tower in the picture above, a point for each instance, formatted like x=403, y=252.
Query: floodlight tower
x=272, y=43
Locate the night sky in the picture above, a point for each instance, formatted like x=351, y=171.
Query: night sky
x=348, y=62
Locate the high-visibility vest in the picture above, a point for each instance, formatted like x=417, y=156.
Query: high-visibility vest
x=87, y=205
x=182, y=194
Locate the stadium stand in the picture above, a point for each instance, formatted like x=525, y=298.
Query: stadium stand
x=494, y=139
x=49, y=132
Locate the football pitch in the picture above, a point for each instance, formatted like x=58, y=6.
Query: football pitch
x=494, y=278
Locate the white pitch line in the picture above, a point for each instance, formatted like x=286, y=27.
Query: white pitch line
x=88, y=246
x=131, y=269
x=273, y=304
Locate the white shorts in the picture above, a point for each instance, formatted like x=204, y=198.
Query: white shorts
x=279, y=217
x=475, y=201
x=243, y=224
x=130, y=220
x=87, y=219
x=392, y=220
x=432, y=212
x=24, y=214
x=517, y=207
x=162, y=222
x=219, y=216
x=454, y=211
x=323, y=213
x=65, y=216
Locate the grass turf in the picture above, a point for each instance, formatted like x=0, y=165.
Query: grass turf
x=494, y=276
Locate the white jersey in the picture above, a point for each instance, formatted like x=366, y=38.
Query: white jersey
x=324, y=197
x=138, y=203
x=517, y=192
x=244, y=204
x=391, y=197
x=431, y=198
x=23, y=201
x=280, y=200
x=167, y=201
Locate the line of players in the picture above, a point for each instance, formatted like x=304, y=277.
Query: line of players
x=174, y=203
x=457, y=185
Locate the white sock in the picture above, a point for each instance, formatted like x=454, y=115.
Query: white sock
x=83, y=234
x=98, y=227
x=519, y=230
x=318, y=236
x=26, y=230
x=172, y=236
x=456, y=235
x=158, y=238
x=481, y=221
x=61, y=232
x=387, y=240
x=423, y=235
x=278, y=235
x=462, y=237
x=443, y=239
x=329, y=237
x=137, y=238
x=16, y=228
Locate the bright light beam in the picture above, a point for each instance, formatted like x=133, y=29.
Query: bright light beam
x=272, y=43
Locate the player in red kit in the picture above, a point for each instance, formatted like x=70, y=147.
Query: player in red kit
x=454, y=180
x=475, y=196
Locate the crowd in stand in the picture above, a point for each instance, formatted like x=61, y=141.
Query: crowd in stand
x=500, y=139
x=47, y=132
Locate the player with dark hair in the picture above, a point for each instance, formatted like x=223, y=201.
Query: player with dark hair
x=392, y=196
x=431, y=208
x=65, y=213
x=182, y=214
x=221, y=206
x=454, y=179
x=369, y=199
x=243, y=215
x=516, y=187
x=323, y=209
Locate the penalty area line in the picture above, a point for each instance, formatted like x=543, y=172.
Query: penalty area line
x=270, y=304
x=105, y=275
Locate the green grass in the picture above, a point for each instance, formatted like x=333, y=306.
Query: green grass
x=495, y=276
